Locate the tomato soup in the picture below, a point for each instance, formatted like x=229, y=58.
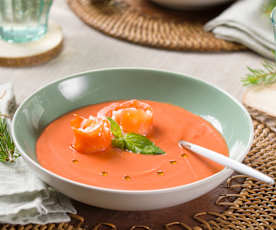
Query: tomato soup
x=118, y=169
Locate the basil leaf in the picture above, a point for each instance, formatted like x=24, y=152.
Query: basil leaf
x=131, y=141
x=140, y=144
x=119, y=143
x=115, y=128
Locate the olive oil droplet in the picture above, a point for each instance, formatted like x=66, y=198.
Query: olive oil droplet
x=75, y=161
x=160, y=173
x=127, y=177
x=184, y=155
x=173, y=162
x=104, y=173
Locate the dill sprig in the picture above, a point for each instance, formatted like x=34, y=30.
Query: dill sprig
x=8, y=152
x=263, y=76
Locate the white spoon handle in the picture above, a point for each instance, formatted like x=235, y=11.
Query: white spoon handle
x=226, y=161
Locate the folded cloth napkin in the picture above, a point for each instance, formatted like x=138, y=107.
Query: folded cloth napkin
x=245, y=22
x=24, y=198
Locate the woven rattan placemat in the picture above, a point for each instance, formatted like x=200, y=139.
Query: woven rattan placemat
x=250, y=204
x=142, y=22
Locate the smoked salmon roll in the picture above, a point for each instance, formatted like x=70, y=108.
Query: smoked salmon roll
x=133, y=116
x=91, y=134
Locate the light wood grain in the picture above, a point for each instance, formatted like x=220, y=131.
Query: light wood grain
x=32, y=53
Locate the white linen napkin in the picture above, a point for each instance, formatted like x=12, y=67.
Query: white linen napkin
x=24, y=198
x=245, y=22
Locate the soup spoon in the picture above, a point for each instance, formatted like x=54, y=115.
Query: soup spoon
x=226, y=161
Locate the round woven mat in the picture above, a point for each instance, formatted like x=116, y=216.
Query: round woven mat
x=251, y=206
x=142, y=22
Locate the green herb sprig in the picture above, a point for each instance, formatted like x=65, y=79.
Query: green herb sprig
x=133, y=142
x=263, y=76
x=8, y=152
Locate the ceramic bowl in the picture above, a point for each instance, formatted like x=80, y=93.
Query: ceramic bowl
x=62, y=96
x=190, y=4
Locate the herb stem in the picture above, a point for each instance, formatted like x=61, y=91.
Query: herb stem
x=264, y=76
x=8, y=152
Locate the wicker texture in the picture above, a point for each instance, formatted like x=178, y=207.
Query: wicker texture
x=75, y=224
x=142, y=22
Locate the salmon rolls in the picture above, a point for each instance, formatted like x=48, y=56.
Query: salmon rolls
x=91, y=135
x=133, y=116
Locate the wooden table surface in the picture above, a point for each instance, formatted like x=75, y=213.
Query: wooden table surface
x=86, y=49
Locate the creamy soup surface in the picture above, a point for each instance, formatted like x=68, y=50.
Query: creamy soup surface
x=118, y=169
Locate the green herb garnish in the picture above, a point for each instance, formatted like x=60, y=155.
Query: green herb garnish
x=140, y=144
x=8, y=152
x=133, y=142
x=264, y=76
x=115, y=128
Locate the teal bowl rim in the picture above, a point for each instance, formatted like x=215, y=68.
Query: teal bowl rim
x=121, y=191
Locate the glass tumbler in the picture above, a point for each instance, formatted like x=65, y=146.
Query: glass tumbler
x=23, y=20
x=273, y=19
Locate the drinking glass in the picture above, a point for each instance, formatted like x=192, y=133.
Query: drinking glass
x=273, y=19
x=23, y=20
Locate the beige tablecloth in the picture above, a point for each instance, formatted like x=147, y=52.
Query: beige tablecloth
x=86, y=49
